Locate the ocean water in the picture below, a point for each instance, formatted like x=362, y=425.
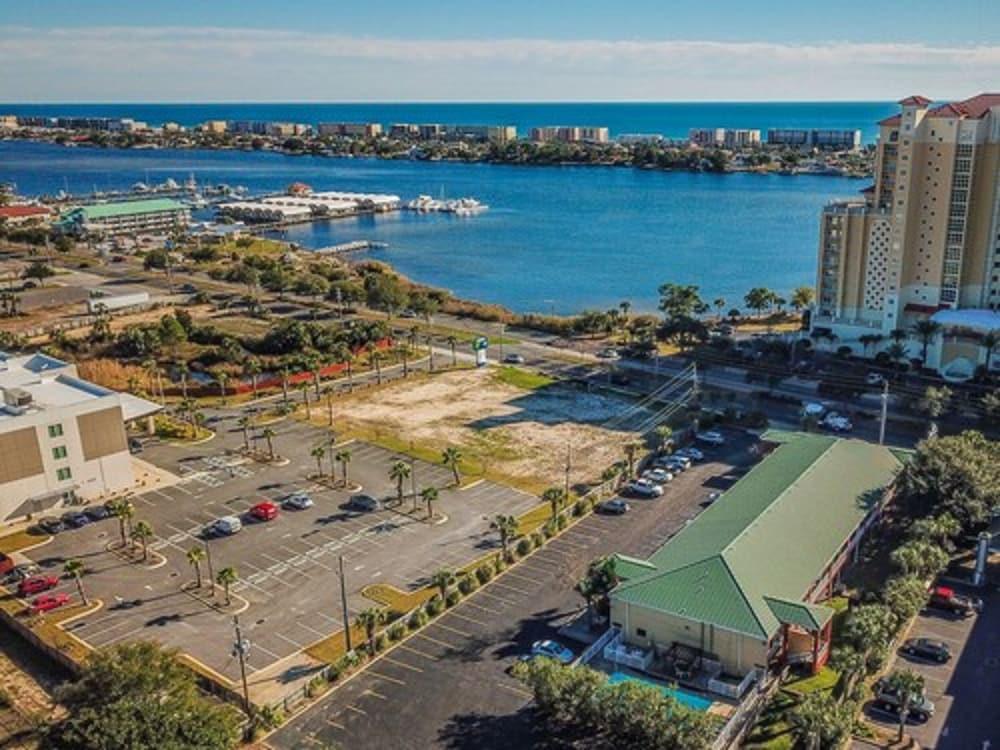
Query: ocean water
x=669, y=119
x=556, y=239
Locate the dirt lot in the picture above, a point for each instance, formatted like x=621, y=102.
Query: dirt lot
x=521, y=434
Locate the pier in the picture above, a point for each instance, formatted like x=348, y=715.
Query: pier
x=356, y=246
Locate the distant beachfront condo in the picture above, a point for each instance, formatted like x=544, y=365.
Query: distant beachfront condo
x=570, y=134
x=153, y=216
x=839, y=140
x=724, y=137
x=351, y=129
x=923, y=242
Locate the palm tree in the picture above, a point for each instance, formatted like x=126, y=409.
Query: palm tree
x=897, y=335
x=851, y=664
x=226, y=578
x=143, y=532
x=926, y=331
x=253, y=369
x=506, y=527
x=631, y=452
x=286, y=373
x=268, y=435
x=399, y=472
x=183, y=370
x=664, y=435
x=429, y=495
x=343, y=458
x=75, y=569
x=555, y=497
x=195, y=556
x=305, y=397
x=909, y=686
x=452, y=343
x=376, y=360
x=451, y=457
x=897, y=354
x=719, y=303
x=935, y=401
x=244, y=424
x=222, y=378
x=442, y=579
x=989, y=342
x=318, y=452
x=370, y=619
x=124, y=511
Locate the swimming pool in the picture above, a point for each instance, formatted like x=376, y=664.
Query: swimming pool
x=690, y=700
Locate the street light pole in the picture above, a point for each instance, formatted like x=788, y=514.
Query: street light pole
x=211, y=570
x=343, y=604
x=569, y=454
x=885, y=413
x=240, y=650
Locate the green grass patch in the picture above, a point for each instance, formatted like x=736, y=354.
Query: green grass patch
x=20, y=540
x=825, y=680
x=523, y=379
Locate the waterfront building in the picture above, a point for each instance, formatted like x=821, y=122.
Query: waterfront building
x=350, y=129
x=8, y=122
x=746, y=584
x=403, y=130
x=61, y=437
x=707, y=136
x=152, y=216
x=570, y=134
x=740, y=138
x=838, y=140
x=24, y=213
x=217, y=127
x=923, y=239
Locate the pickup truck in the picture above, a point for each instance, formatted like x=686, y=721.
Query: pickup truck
x=945, y=598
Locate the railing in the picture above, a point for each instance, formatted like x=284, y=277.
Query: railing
x=730, y=690
x=746, y=713
x=597, y=646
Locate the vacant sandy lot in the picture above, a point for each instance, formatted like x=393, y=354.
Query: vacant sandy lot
x=506, y=430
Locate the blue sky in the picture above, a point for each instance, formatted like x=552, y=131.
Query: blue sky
x=511, y=50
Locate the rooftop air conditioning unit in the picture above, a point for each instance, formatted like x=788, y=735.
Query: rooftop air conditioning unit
x=16, y=397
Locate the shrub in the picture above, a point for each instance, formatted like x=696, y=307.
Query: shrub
x=548, y=530
x=434, y=606
x=453, y=598
x=537, y=539
x=417, y=620
x=380, y=642
x=561, y=521
x=524, y=546
x=397, y=631
x=500, y=562
x=580, y=507
x=484, y=573
x=467, y=584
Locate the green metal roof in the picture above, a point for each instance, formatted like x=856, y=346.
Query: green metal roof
x=805, y=615
x=629, y=567
x=125, y=208
x=769, y=536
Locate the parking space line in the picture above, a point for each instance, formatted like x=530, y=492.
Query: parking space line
x=282, y=636
x=519, y=691
x=381, y=676
x=356, y=710
x=498, y=598
x=372, y=693
x=402, y=664
x=520, y=576
x=435, y=640
x=456, y=631
x=418, y=652
x=469, y=619
x=503, y=585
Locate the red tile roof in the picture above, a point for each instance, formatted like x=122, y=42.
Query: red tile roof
x=19, y=212
x=893, y=120
x=918, y=308
x=915, y=101
x=974, y=108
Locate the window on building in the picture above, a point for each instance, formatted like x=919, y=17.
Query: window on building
x=641, y=632
x=59, y=452
x=55, y=430
x=63, y=474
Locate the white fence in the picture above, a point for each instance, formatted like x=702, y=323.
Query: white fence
x=597, y=646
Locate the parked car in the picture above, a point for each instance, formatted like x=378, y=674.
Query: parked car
x=888, y=700
x=225, y=526
x=874, y=378
x=134, y=445
x=513, y=359
x=943, y=597
x=6, y=564
x=674, y=464
x=710, y=438
x=616, y=506
x=51, y=525
x=97, y=512
x=608, y=353
x=48, y=602
x=297, y=501
x=264, y=511
x=36, y=585
x=837, y=423
x=691, y=452
x=74, y=519
x=408, y=313
x=658, y=476
x=712, y=497
x=364, y=503
x=927, y=648
x=19, y=572
x=552, y=650
x=644, y=488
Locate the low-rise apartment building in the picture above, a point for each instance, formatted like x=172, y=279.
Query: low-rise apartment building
x=350, y=129
x=570, y=134
x=924, y=238
x=61, y=437
x=152, y=216
x=832, y=139
x=741, y=588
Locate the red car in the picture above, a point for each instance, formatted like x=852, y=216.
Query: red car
x=48, y=602
x=36, y=585
x=6, y=564
x=265, y=511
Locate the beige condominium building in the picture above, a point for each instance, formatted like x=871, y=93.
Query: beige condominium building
x=62, y=438
x=922, y=242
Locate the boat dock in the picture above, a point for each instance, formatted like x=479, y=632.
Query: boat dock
x=356, y=246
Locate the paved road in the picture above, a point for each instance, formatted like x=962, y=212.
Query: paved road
x=447, y=686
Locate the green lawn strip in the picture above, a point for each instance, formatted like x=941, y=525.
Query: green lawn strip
x=20, y=540
x=524, y=379
x=825, y=679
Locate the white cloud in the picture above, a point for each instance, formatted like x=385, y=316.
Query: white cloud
x=213, y=64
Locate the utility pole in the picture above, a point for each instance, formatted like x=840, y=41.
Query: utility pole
x=211, y=570
x=241, y=648
x=413, y=478
x=343, y=604
x=885, y=412
x=694, y=381
x=569, y=464
x=329, y=406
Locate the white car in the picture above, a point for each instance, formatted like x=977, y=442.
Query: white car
x=710, y=438
x=552, y=650
x=658, y=476
x=297, y=501
x=644, y=488
x=874, y=378
x=712, y=497
x=609, y=353
x=683, y=463
x=837, y=423
x=513, y=359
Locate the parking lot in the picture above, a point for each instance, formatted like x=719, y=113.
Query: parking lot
x=458, y=664
x=965, y=689
x=287, y=567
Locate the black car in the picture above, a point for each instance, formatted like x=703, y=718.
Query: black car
x=364, y=503
x=51, y=525
x=97, y=512
x=927, y=648
x=616, y=506
x=74, y=519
